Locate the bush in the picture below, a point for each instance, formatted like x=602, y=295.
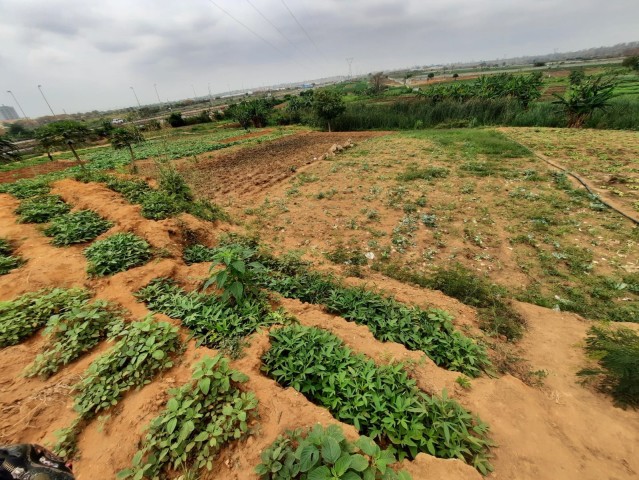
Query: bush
x=78, y=227
x=41, y=209
x=117, y=253
x=325, y=451
x=380, y=401
x=200, y=418
x=617, y=351
x=22, y=317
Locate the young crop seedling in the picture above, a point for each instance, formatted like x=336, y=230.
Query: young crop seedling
x=41, y=209
x=117, y=253
x=200, y=418
x=22, y=317
x=198, y=254
x=8, y=261
x=320, y=452
x=380, y=401
x=26, y=188
x=77, y=227
x=143, y=350
x=72, y=333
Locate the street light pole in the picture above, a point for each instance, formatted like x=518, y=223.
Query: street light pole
x=155, y=85
x=18, y=104
x=194, y=93
x=45, y=100
x=210, y=97
x=136, y=97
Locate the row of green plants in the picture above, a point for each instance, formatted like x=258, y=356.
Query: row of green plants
x=431, y=331
x=172, y=197
x=117, y=253
x=8, y=260
x=199, y=419
x=324, y=452
x=382, y=402
x=143, y=350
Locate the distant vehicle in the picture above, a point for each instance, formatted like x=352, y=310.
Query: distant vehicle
x=117, y=121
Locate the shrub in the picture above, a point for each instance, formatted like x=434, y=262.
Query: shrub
x=174, y=184
x=22, y=317
x=117, y=253
x=617, y=351
x=200, y=418
x=41, y=209
x=327, y=453
x=380, y=401
x=78, y=227
x=72, y=333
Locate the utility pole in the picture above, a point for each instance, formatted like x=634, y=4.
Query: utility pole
x=136, y=97
x=45, y=100
x=194, y=93
x=155, y=85
x=349, y=60
x=210, y=97
x=17, y=103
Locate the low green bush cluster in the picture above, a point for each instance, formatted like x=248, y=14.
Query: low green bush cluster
x=428, y=173
x=326, y=453
x=430, y=331
x=117, y=253
x=200, y=418
x=26, y=188
x=41, y=209
x=7, y=260
x=22, y=317
x=380, y=401
x=77, y=227
x=143, y=350
x=72, y=333
x=617, y=351
x=216, y=323
x=198, y=254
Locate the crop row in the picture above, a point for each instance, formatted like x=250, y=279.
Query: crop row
x=8, y=261
x=380, y=401
x=430, y=331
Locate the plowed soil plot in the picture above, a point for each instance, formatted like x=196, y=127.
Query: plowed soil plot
x=35, y=170
x=251, y=170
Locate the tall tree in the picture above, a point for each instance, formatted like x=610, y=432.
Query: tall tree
x=126, y=138
x=61, y=135
x=328, y=104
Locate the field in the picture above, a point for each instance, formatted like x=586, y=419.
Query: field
x=430, y=289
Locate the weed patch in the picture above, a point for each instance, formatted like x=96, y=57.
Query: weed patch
x=117, y=253
x=200, y=418
x=77, y=227
x=41, y=209
x=429, y=173
x=326, y=452
x=380, y=401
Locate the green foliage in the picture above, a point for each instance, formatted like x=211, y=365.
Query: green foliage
x=216, y=323
x=22, y=317
x=617, y=351
x=7, y=261
x=60, y=135
x=117, y=253
x=8, y=151
x=77, y=227
x=200, y=419
x=174, y=184
x=342, y=255
x=176, y=120
x=253, y=112
x=328, y=104
x=581, y=100
x=576, y=76
x=158, y=205
x=380, y=401
x=71, y=333
x=326, y=453
x=125, y=138
x=143, y=350
x=428, y=173
x=41, y=209
x=198, y=254
x=631, y=62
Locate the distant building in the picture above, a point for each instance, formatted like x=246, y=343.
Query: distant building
x=8, y=113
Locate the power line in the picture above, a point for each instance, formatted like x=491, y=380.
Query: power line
x=303, y=29
x=271, y=23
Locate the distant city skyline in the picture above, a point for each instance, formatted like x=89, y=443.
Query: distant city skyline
x=87, y=56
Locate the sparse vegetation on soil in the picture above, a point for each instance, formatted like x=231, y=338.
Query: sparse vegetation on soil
x=117, y=253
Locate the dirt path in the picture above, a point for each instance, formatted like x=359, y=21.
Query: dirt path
x=35, y=170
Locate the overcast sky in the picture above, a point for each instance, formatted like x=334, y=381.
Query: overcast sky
x=87, y=54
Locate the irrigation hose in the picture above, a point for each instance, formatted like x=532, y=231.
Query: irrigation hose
x=581, y=181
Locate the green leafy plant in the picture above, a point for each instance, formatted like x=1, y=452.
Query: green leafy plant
x=582, y=99
x=158, y=205
x=117, y=253
x=26, y=188
x=428, y=173
x=328, y=105
x=22, y=317
x=380, y=401
x=41, y=209
x=73, y=332
x=326, y=453
x=8, y=262
x=617, y=351
x=200, y=418
x=198, y=254
x=77, y=227
x=215, y=322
